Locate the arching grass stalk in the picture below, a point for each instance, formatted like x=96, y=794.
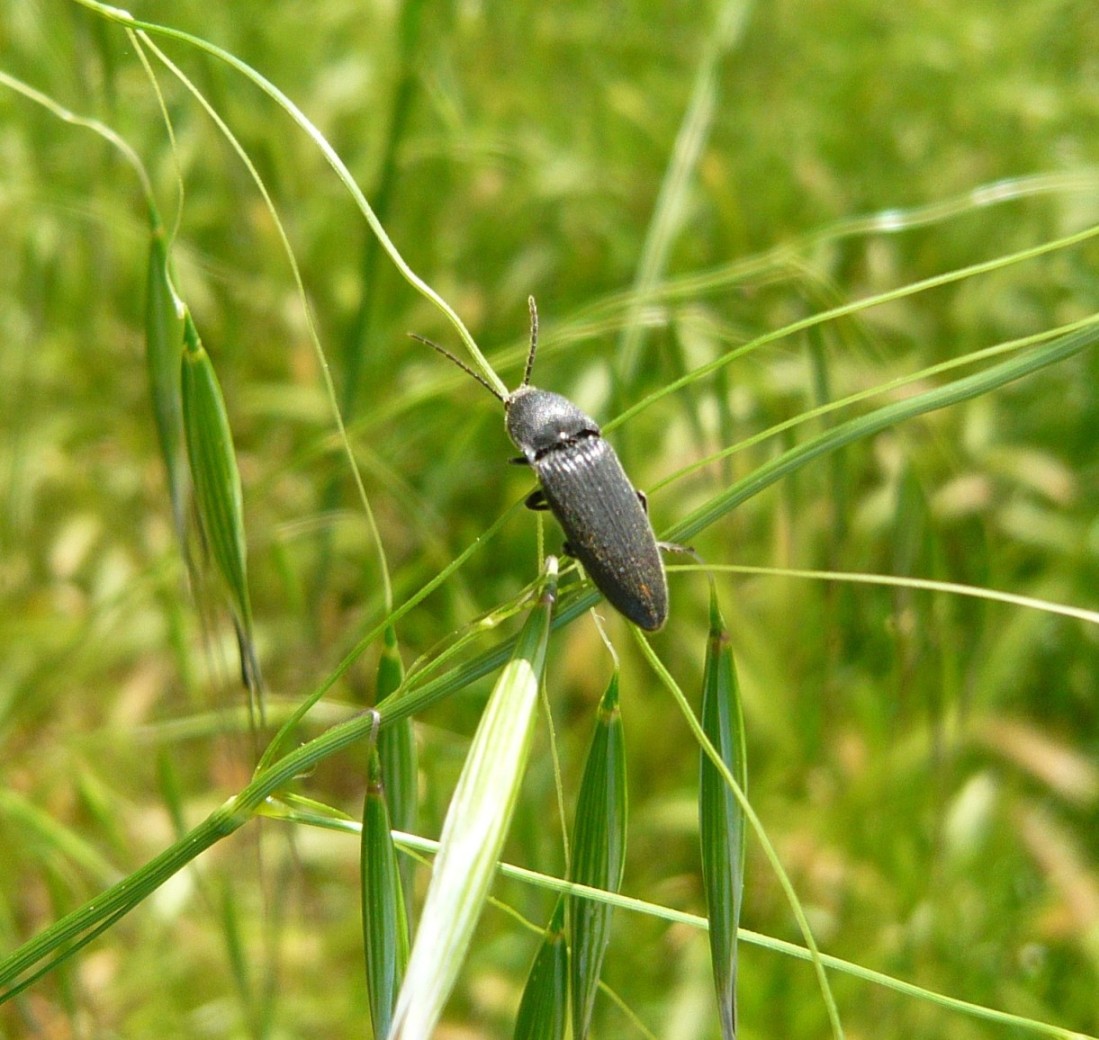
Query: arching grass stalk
x=141, y=41
x=122, y=17
x=630, y=904
x=54, y=945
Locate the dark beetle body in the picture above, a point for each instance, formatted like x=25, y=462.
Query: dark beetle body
x=583, y=482
x=587, y=489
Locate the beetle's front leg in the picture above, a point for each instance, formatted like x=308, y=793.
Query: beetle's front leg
x=537, y=500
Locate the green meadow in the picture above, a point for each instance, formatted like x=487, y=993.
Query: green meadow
x=826, y=274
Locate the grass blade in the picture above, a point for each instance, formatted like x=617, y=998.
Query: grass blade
x=397, y=754
x=476, y=824
x=64, y=937
x=396, y=743
x=721, y=821
x=163, y=349
x=598, y=856
x=385, y=924
x=543, y=1011
x=216, y=481
x=954, y=392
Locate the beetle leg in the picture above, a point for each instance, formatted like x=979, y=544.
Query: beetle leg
x=674, y=547
x=644, y=499
x=520, y=460
x=537, y=500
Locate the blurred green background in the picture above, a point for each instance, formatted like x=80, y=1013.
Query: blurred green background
x=925, y=763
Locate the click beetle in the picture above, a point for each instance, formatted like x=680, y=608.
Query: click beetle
x=604, y=517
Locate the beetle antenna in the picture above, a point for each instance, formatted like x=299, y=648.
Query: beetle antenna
x=533, y=339
x=461, y=364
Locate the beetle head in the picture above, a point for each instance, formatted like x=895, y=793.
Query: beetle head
x=538, y=421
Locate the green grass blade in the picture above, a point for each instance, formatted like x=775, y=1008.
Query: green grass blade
x=385, y=924
x=475, y=827
x=883, y=418
x=754, y=822
x=81, y=925
x=116, y=14
x=598, y=855
x=721, y=822
x=397, y=753
x=216, y=481
x=163, y=354
x=543, y=1011
x=396, y=743
x=670, y=211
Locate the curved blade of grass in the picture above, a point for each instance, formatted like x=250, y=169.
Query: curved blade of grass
x=767, y=942
x=952, y=393
x=543, y=1011
x=385, y=925
x=218, y=497
x=722, y=832
x=710, y=279
x=598, y=855
x=73, y=930
x=475, y=827
x=116, y=14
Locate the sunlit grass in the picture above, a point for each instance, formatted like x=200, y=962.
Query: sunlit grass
x=795, y=229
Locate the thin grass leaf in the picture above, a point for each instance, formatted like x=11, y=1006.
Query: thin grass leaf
x=46, y=950
x=357, y=357
x=396, y=742
x=863, y=426
x=143, y=29
x=756, y=825
x=543, y=1011
x=163, y=350
x=241, y=963
x=397, y=753
x=598, y=855
x=721, y=822
x=385, y=924
x=476, y=824
x=671, y=208
x=216, y=481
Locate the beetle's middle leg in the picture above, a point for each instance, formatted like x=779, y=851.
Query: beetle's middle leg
x=537, y=500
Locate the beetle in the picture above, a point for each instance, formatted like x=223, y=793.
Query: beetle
x=604, y=517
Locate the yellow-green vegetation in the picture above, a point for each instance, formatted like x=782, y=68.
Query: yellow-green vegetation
x=826, y=274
